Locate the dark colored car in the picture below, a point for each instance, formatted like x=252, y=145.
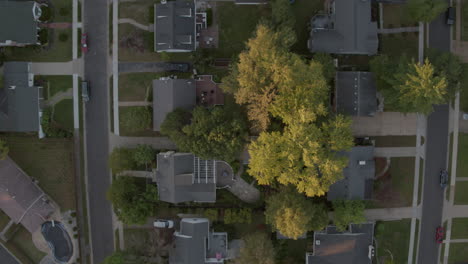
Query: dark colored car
x=85, y=91
x=450, y=16
x=178, y=67
x=443, y=178
x=440, y=235
x=84, y=43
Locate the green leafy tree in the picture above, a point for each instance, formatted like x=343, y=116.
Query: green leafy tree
x=258, y=248
x=347, y=212
x=133, y=199
x=425, y=10
x=136, y=118
x=328, y=66
x=449, y=65
x=143, y=154
x=3, y=149
x=121, y=159
x=174, y=122
x=293, y=215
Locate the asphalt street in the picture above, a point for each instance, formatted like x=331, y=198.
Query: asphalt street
x=436, y=158
x=96, y=25
x=5, y=257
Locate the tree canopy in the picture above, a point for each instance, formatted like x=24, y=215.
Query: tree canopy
x=144, y=154
x=292, y=214
x=3, y=149
x=213, y=133
x=425, y=10
x=347, y=212
x=258, y=248
x=133, y=199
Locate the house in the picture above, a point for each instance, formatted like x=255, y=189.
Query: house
x=251, y=2
x=183, y=177
x=21, y=199
x=169, y=94
x=19, y=99
x=345, y=29
x=351, y=247
x=19, y=23
x=195, y=243
x=358, y=178
x=355, y=93
x=174, y=26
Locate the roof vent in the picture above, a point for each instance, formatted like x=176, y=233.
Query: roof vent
x=163, y=2
x=362, y=162
x=317, y=242
x=371, y=253
x=12, y=87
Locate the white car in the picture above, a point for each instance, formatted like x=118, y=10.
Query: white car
x=160, y=223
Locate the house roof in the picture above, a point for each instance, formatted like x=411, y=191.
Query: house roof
x=21, y=199
x=358, y=179
x=169, y=94
x=355, y=93
x=17, y=22
x=174, y=26
x=250, y=2
x=334, y=247
x=190, y=242
x=348, y=30
x=183, y=177
x=19, y=99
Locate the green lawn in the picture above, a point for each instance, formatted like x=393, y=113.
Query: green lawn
x=50, y=161
x=56, y=51
x=141, y=11
x=395, y=141
x=461, y=195
x=54, y=84
x=462, y=158
x=303, y=11
x=134, y=237
x=464, y=88
x=4, y=219
x=139, y=86
x=458, y=253
x=402, y=174
x=460, y=228
x=394, y=15
x=23, y=240
x=63, y=114
x=62, y=10
x=127, y=130
x=397, y=44
x=236, y=24
x=394, y=237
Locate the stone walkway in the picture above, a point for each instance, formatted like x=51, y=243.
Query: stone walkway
x=68, y=94
x=395, y=152
x=136, y=24
x=240, y=188
x=397, y=30
x=138, y=174
x=137, y=103
x=133, y=142
x=385, y=124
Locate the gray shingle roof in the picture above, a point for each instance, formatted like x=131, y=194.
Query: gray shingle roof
x=17, y=22
x=182, y=177
x=169, y=94
x=21, y=199
x=19, y=99
x=343, y=247
x=355, y=93
x=358, y=175
x=174, y=26
x=347, y=31
x=190, y=242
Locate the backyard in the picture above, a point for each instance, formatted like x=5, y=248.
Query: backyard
x=50, y=161
x=22, y=239
x=136, y=121
x=393, y=238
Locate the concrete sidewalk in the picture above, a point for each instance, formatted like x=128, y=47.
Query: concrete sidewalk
x=137, y=103
x=133, y=142
x=58, y=68
x=395, y=152
x=397, y=30
x=385, y=124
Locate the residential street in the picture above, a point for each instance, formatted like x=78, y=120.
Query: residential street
x=96, y=24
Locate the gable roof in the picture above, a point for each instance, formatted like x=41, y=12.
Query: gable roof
x=355, y=93
x=21, y=199
x=182, y=177
x=348, y=30
x=174, y=26
x=169, y=94
x=334, y=247
x=19, y=99
x=190, y=242
x=17, y=22
x=358, y=179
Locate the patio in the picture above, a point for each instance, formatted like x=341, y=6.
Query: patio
x=208, y=92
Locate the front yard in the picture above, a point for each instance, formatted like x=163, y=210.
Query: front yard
x=457, y=253
x=459, y=228
x=63, y=114
x=397, y=44
x=395, y=141
x=462, y=158
x=48, y=160
x=54, y=84
x=393, y=238
x=136, y=121
x=395, y=16
x=461, y=195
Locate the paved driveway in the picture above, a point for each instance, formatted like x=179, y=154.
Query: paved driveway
x=127, y=67
x=6, y=257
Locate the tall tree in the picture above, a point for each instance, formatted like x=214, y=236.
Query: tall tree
x=258, y=248
x=425, y=10
x=347, y=212
x=133, y=199
x=293, y=215
x=3, y=149
x=144, y=154
x=449, y=65
x=328, y=67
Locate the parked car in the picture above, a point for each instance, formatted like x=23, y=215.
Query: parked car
x=443, y=178
x=85, y=91
x=440, y=235
x=177, y=67
x=450, y=16
x=84, y=43
x=161, y=223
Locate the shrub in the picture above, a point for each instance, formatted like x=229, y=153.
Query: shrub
x=136, y=118
x=209, y=17
x=211, y=214
x=46, y=14
x=238, y=216
x=43, y=36
x=63, y=37
x=121, y=159
x=64, y=11
x=49, y=128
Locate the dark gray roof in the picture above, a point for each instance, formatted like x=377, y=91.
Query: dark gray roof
x=19, y=99
x=347, y=31
x=182, y=177
x=169, y=94
x=355, y=93
x=343, y=247
x=174, y=26
x=21, y=199
x=17, y=22
x=358, y=175
x=251, y=2
x=190, y=242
